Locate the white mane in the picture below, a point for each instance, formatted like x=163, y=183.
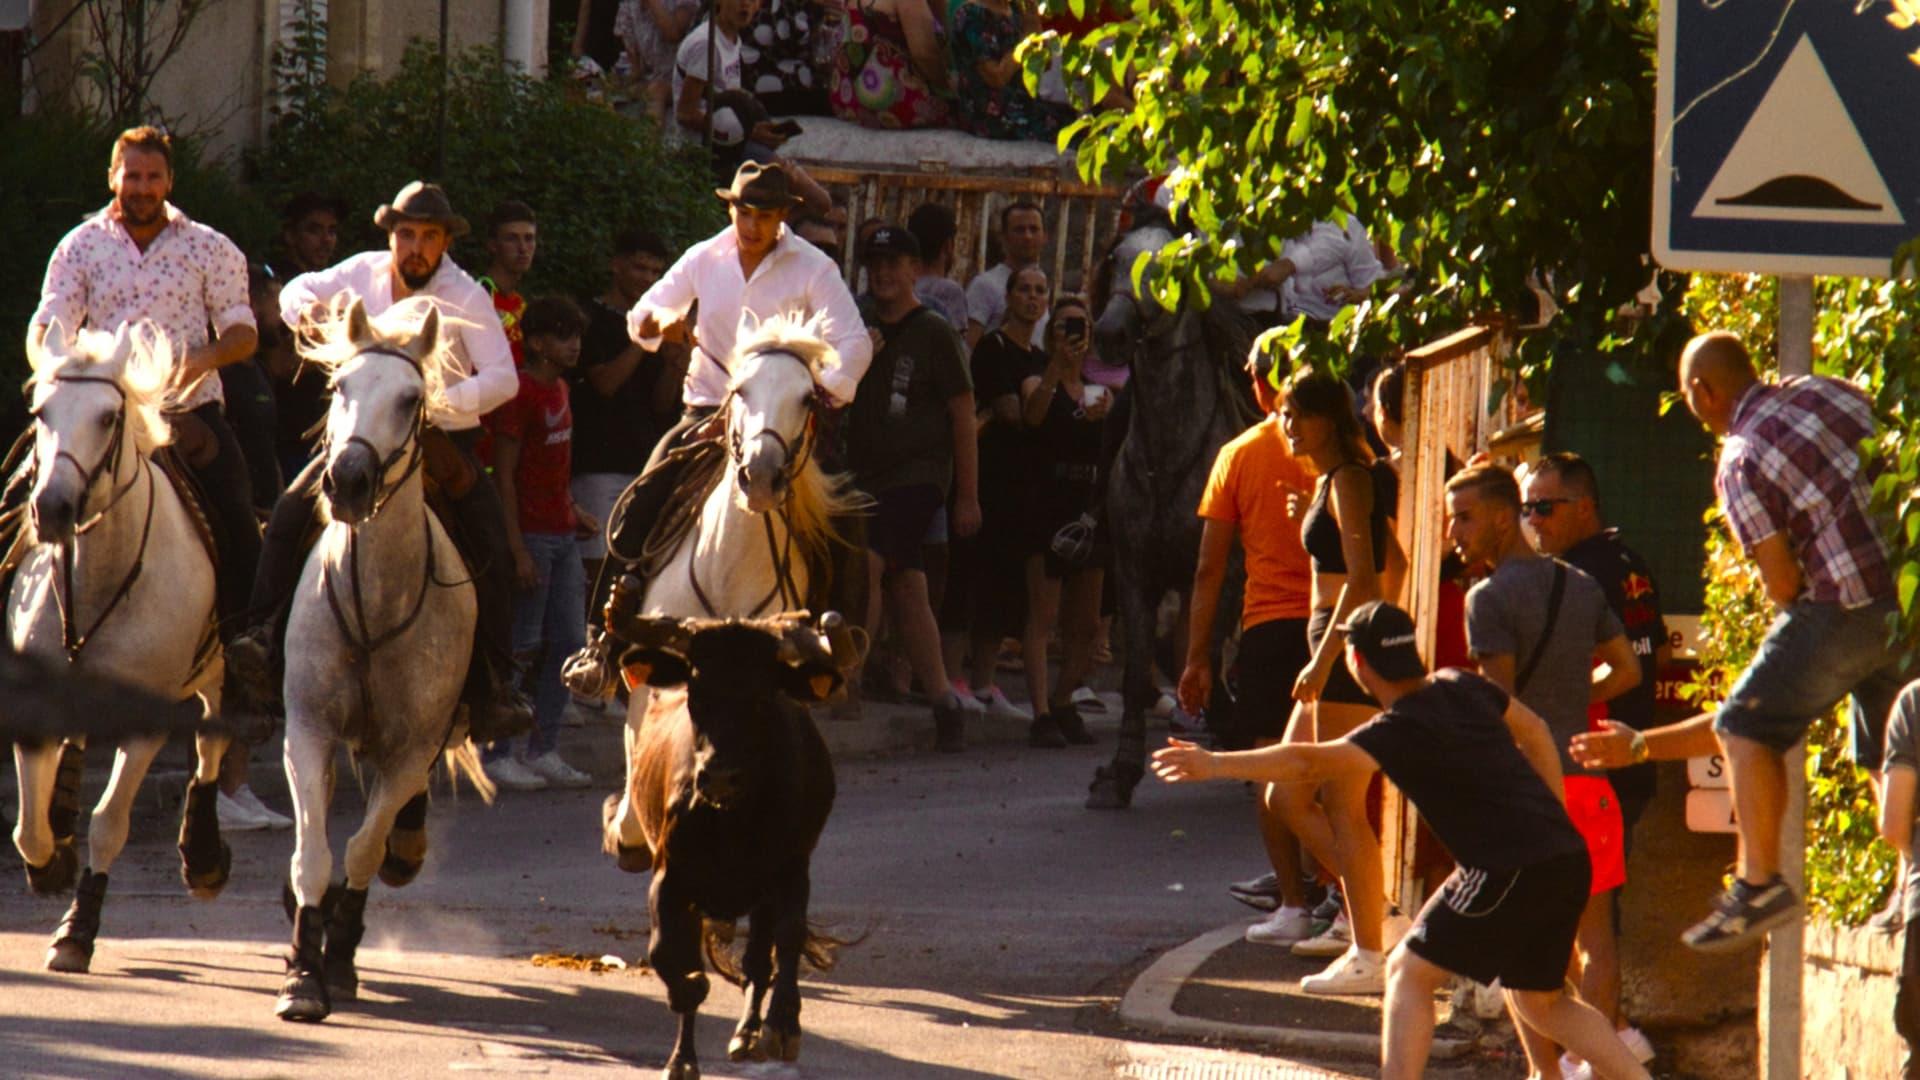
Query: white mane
x=788, y=334
x=326, y=342
x=137, y=357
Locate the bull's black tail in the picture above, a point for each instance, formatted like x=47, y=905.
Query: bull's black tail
x=820, y=951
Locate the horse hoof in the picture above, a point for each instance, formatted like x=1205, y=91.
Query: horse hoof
x=303, y=998
x=681, y=1070
x=746, y=1046
x=633, y=858
x=206, y=883
x=343, y=984
x=70, y=956
x=60, y=872
x=1109, y=790
x=406, y=854
x=777, y=1045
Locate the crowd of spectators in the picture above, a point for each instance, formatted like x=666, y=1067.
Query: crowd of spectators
x=896, y=64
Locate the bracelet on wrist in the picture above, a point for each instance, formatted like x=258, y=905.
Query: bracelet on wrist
x=1639, y=751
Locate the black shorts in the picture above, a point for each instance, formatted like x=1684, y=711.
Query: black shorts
x=1513, y=925
x=897, y=532
x=1340, y=688
x=1272, y=655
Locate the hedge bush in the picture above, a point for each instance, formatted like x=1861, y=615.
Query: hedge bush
x=587, y=171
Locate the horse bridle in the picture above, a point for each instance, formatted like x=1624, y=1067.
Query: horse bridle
x=109, y=458
x=409, y=445
x=795, y=461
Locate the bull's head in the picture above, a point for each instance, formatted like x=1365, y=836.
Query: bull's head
x=739, y=676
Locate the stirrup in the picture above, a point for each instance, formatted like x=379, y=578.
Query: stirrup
x=589, y=673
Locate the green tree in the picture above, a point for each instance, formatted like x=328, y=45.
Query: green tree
x=1494, y=142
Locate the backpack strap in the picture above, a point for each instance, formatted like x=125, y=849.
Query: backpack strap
x=1553, y=618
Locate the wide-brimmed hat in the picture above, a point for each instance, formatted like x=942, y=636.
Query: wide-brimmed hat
x=421, y=201
x=762, y=187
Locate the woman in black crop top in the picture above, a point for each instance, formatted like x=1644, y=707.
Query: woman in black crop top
x=1346, y=534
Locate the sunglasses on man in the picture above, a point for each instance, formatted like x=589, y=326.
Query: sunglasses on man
x=1541, y=508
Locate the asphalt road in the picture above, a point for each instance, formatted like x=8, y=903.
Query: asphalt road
x=1002, y=923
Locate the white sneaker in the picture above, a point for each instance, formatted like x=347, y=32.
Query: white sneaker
x=1572, y=1068
x=512, y=774
x=1285, y=926
x=274, y=819
x=1637, y=1042
x=995, y=702
x=556, y=772
x=969, y=702
x=1086, y=700
x=1164, y=707
x=1337, y=939
x=235, y=816
x=1352, y=973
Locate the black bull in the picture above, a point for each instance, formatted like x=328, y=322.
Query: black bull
x=732, y=784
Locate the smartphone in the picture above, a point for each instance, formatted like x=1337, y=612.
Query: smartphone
x=1074, y=327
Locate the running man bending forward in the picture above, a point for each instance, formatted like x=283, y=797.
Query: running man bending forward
x=1484, y=772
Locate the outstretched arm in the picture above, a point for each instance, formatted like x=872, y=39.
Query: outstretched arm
x=1181, y=762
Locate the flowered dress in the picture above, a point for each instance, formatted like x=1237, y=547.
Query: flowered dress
x=976, y=33
x=875, y=84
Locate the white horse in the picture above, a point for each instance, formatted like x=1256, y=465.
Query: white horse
x=118, y=583
x=377, y=640
x=765, y=527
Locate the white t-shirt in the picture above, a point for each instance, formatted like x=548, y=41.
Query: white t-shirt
x=692, y=60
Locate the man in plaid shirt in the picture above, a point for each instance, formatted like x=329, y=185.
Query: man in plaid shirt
x=1794, y=489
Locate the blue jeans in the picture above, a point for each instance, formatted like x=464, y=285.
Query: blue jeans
x=1814, y=655
x=549, y=624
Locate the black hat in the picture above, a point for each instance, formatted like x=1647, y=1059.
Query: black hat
x=762, y=187
x=421, y=201
x=1384, y=636
x=890, y=240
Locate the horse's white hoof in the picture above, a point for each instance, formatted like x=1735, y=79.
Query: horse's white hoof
x=70, y=956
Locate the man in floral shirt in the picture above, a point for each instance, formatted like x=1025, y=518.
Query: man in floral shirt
x=141, y=258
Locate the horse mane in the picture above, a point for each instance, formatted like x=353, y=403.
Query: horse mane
x=326, y=343
x=145, y=375
x=818, y=496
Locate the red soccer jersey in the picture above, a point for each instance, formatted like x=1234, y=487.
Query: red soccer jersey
x=540, y=419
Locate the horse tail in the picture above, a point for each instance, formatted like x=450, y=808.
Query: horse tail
x=464, y=760
x=820, y=950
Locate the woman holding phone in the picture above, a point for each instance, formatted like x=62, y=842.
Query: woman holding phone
x=1063, y=415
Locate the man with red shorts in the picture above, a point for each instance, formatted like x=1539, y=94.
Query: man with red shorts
x=1537, y=625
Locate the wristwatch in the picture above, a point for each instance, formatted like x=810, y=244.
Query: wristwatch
x=1639, y=751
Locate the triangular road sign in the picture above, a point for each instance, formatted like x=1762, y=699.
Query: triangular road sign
x=1800, y=157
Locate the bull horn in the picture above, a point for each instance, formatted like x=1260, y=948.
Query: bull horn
x=843, y=643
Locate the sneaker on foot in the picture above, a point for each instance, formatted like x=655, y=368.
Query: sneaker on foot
x=1331, y=907
x=1071, y=725
x=969, y=702
x=1087, y=701
x=1261, y=893
x=1637, y=1041
x=1044, y=734
x=1353, y=973
x=1164, y=707
x=235, y=816
x=1742, y=915
x=994, y=701
x=509, y=773
x=1286, y=926
x=556, y=772
x=1572, y=1068
x=1337, y=939
x=274, y=819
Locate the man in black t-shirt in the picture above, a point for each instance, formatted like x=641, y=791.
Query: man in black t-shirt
x=910, y=434
x=624, y=397
x=1485, y=774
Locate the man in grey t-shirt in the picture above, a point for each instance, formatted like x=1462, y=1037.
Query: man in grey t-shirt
x=1549, y=665
x=1900, y=826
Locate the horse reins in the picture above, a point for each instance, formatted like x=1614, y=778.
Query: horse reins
x=109, y=459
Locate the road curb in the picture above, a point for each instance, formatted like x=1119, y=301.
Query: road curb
x=1148, y=1006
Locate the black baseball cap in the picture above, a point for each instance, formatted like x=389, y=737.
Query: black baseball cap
x=1384, y=636
x=890, y=240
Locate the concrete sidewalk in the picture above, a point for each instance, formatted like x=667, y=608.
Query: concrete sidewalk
x=1219, y=987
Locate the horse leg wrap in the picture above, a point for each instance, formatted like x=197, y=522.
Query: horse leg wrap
x=64, y=813
x=1113, y=784
x=72, y=948
x=303, y=993
x=205, y=860
x=59, y=872
x=346, y=924
x=406, y=843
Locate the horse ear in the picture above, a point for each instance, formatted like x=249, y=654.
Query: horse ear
x=122, y=345
x=428, y=337
x=48, y=345
x=359, y=327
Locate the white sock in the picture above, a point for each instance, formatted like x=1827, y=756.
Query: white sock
x=1285, y=909
x=1372, y=955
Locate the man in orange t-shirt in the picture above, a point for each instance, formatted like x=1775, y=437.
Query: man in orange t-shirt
x=1250, y=496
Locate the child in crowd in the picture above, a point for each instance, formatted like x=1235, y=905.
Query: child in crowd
x=1485, y=773
x=532, y=464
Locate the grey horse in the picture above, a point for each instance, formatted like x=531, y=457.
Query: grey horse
x=1185, y=362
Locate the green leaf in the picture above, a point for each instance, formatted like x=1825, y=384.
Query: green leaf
x=1908, y=582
